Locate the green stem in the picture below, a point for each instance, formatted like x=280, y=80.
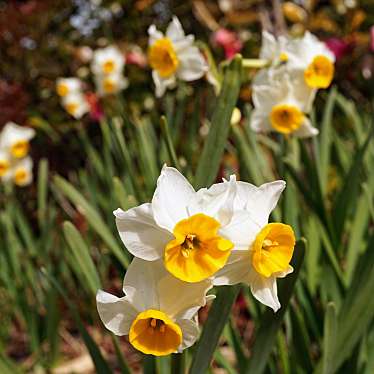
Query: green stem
x=218, y=316
x=169, y=142
x=178, y=363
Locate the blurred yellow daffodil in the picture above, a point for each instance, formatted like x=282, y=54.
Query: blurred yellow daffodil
x=173, y=56
x=15, y=139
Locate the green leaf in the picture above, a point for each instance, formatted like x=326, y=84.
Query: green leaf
x=271, y=322
x=169, y=142
x=218, y=316
x=329, y=338
x=93, y=218
x=220, y=125
x=326, y=138
x=101, y=365
x=82, y=256
x=357, y=311
x=346, y=198
x=42, y=191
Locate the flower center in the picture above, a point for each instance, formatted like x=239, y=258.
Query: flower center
x=319, y=73
x=72, y=108
x=62, y=89
x=20, y=177
x=109, y=86
x=286, y=118
x=162, y=57
x=197, y=251
x=108, y=66
x=153, y=332
x=283, y=57
x=273, y=248
x=20, y=149
x=4, y=167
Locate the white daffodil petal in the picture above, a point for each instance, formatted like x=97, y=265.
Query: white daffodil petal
x=264, y=290
x=216, y=201
x=235, y=271
x=171, y=198
x=306, y=130
x=162, y=84
x=260, y=122
x=116, y=313
x=283, y=274
x=175, y=30
x=268, y=46
x=190, y=333
x=262, y=202
x=141, y=281
x=139, y=232
x=154, y=34
x=178, y=297
x=192, y=64
x=242, y=230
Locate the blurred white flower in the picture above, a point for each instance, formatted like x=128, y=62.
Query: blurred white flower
x=5, y=165
x=262, y=251
x=281, y=103
x=158, y=312
x=75, y=104
x=67, y=86
x=313, y=58
x=15, y=139
x=274, y=49
x=109, y=60
x=110, y=83
x=22, y=172
x=307, y=55
x=173, y=56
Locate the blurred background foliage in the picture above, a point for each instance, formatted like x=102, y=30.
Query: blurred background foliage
x=58, y=241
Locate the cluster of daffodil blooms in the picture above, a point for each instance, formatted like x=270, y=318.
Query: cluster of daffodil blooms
x=184, y=243
x=107, y=66
x=72, y=96
x=283, y=92
x=15, y=164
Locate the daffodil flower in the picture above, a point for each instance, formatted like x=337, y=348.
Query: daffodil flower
x=109, y=60
x=173, y=56
x=22, y=172
x=274, y=49
x=262, y=251
x=307, y=55
x=313, y=58
x=181, y=226
x=158, y=312
x=110, y=84
x=15, y=139
x=5, y=165
x=68, y=86
x=75, y=104
x=281, y=104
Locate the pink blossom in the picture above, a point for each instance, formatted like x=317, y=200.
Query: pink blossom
x=136, y=57
x=229, y=41
x=96, y=111
x=339, y=47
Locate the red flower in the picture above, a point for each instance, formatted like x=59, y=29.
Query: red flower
x=229, y=41
x=96, y=112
